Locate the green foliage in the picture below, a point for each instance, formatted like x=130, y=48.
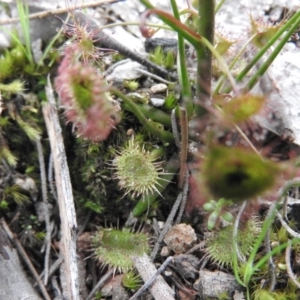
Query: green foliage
x=132, y=281
x=170, y=101
x=14, y=193
x=93, y=206
x=131, y=85
x=3, y=205
x=23, y=13
x=170, y=60
x=6, y=65
x=228, y=173
x=216, y=209
x=4, y=121
x=15, y=61
x=32, y=132
x=41, y=235
x=163, y=59
x=98, y=295
x=224, y=296
x=282, y=235
x=116, y=248
x=6, y=154
x=15, y=87
x=261, y=294
x=18, y=56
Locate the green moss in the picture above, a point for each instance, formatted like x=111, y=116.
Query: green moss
x=170, y=101
x=6, y=66
x=132, y=281
x=131, y=85
x=14, y=193
x=163, y=59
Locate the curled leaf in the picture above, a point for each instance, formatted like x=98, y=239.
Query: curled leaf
x=236, y=173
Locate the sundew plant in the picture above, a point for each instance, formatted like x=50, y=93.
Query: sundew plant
x=231, y=160
x=216, y=148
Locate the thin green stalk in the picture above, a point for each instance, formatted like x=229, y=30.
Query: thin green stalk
x=249, y=270
x=23, y=15
x=258, y=243
x=264, y=67
x=165, y=136
x=184, y=145
x=206, y=29
x=51, y=43
x=266, y=257
x=219, y=5
x=182, y=68
x=152, y=113
x=264, y=49
x=159, y=26
x=232, y=64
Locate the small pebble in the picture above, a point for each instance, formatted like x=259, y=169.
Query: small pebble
x=158, y=88
x=157, y=102
x=180, y=238
x=165, y=251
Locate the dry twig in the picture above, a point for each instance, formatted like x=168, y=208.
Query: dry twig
x=46, y=209
x=159, y=289
x=64, y=192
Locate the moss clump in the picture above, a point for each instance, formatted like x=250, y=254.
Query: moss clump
x=132, y=281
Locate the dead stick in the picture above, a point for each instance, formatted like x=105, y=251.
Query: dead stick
x=64, y=192
x=160, y=290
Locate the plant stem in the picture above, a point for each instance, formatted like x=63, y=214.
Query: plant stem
x=184, y=145
x=152, y=113
x=206, y=27
x=23, y=13
x=232, y=64
x=165, y=136
x=182, y=68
